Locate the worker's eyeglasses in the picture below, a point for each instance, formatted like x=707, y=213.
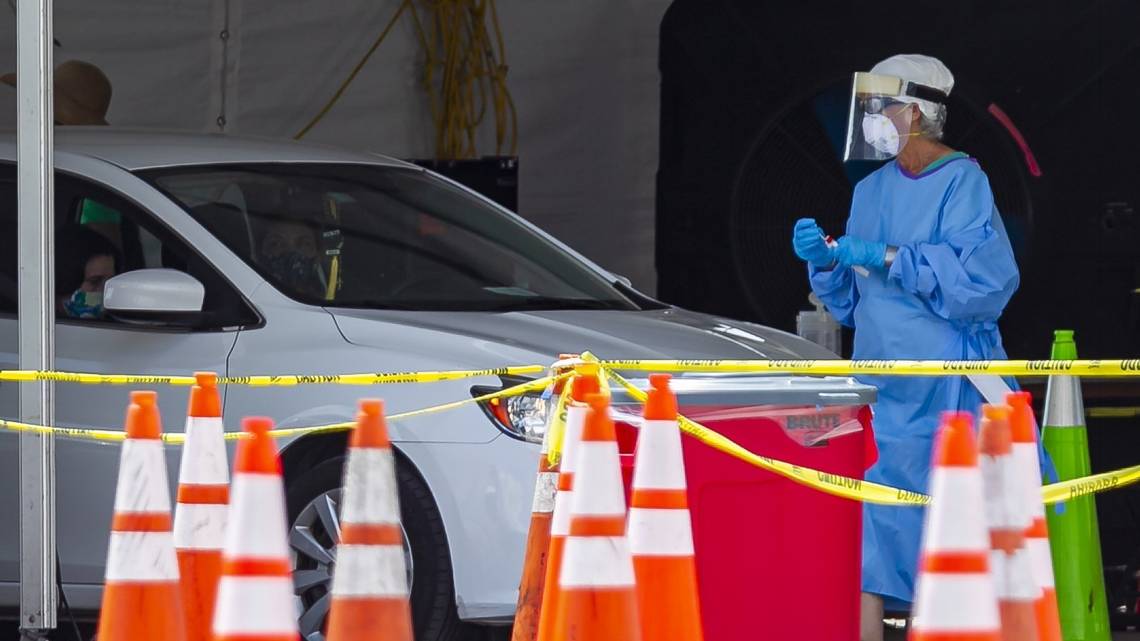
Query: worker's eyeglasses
x=877, y=104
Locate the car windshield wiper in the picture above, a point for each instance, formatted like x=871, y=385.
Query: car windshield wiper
x=541, y=302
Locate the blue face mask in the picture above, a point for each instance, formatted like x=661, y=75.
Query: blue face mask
x=84, y=304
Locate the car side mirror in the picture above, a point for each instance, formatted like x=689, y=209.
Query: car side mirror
x=154, y=296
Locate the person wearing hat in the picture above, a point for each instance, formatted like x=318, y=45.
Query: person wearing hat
x=924, y=272
x=82, y=95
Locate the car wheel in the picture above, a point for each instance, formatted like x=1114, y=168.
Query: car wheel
x=312, y=498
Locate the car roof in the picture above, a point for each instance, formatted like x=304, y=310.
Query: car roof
x=135, y=149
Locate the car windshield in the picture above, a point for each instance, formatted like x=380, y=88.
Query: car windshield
x=383, y=237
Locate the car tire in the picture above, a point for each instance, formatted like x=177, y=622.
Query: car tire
x=434, y=614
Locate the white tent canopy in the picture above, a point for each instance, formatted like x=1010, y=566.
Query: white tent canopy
x=583, y=76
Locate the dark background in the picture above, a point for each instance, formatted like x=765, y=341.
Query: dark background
x=754, y=98
x=753, y=108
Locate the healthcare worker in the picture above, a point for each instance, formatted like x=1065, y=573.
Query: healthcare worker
x=923, y=272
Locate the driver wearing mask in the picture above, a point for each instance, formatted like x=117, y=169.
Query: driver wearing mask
x=289, y=251
x=86, y=260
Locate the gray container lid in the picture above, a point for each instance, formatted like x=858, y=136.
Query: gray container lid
x=743, y=390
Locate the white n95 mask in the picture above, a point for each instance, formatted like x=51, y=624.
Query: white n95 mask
x=880, y=133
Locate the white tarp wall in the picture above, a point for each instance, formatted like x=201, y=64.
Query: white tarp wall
x=583, y=75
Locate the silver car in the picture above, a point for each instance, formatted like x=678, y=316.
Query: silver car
x=257, y=257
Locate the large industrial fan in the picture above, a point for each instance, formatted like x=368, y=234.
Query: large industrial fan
x=754, y=101
x=754, y=96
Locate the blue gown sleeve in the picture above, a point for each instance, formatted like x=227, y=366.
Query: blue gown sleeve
x=836, y=288
x=971, y=274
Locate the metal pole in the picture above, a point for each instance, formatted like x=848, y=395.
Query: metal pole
x=36, y=314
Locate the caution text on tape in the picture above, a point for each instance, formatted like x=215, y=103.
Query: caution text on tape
x=175, y=438
x=1087, y=368
x=374, y=378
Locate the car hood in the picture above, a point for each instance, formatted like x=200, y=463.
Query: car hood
x=481, y=339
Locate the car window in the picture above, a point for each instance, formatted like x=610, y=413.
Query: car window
x=382, y=237
x=94, y=221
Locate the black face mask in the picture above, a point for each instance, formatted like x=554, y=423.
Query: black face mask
x=297, y=271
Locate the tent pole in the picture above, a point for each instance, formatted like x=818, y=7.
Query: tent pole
x=36, y=314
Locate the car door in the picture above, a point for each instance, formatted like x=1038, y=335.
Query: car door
x=87, y=470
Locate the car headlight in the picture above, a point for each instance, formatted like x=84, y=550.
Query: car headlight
x=523, y=417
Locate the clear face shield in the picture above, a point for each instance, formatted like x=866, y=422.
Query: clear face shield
x=881, y=116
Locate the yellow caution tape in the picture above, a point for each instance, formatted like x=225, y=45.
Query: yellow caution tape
x=833, y=484
x=594, y=367
x=106, y=436
x=178, y=438
x=516, y=390
x=586, y=365
x=558, y=425
x=376, y=378
x=1088, y=368
x=866, y=491
x=1095, y=484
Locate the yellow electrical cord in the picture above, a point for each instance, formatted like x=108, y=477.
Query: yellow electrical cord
x=355, y=70
x=465, y=67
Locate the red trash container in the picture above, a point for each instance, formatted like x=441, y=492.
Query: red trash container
x=776, y=560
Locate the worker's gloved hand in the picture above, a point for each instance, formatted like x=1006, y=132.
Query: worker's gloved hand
x=807, y=240
x=856, y=252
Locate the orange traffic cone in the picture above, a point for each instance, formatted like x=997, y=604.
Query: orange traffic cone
x=1037, y=537
x=1007, y=515
x=660, y=529
x=370, y=584
x=141, y=598
x=598, y=596
x=255, y=594
x=532, y=584
x=954, y=599
x=582, y=385
x=200, y=514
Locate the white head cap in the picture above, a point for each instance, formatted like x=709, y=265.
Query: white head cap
x=923, y=70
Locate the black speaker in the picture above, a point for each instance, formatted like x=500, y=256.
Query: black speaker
x=754, y=98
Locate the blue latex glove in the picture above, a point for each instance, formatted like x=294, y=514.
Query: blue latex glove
x=807, y=240
x=853, y=252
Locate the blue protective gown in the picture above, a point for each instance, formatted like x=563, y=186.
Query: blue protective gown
x=941, y=299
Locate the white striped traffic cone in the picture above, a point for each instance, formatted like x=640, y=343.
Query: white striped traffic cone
x=532, y=584
x=200, y=513
x=370, y=584
x=1007, y=515
x=141, y=595
x=255, y=594
x=1037, y=537
x=584, y=383
x=660, y=528
x=955, y=599
x=597, y=596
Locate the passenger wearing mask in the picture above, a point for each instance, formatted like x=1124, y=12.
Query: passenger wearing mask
x=85, y=261
x=924, y=272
